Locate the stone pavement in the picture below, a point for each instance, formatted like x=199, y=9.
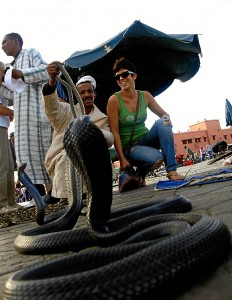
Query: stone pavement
x=214, y=199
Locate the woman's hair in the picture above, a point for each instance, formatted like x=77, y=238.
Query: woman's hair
x=123, y=63
x=15, y=36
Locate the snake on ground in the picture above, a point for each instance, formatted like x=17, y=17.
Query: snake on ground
x=140, y=252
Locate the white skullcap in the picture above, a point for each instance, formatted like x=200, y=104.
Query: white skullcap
x=89, y=79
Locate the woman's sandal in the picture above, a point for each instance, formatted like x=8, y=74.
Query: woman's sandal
x=175, y=176
x=158, y=164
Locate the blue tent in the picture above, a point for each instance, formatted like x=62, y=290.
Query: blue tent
x=160, y=59
x=228, y=113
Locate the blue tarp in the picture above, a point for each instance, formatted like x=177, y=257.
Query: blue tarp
x=160, y=59
x=195, y=180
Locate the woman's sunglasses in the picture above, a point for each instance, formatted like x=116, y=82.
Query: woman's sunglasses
x=123, y=75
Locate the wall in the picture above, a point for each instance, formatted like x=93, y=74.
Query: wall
x=201, y=134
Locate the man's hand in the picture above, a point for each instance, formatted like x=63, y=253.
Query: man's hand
x=11, y=117
x=16, y=74
x=53, y=71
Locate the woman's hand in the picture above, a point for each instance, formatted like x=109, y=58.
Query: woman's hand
x=123, y=164
x=166, y=119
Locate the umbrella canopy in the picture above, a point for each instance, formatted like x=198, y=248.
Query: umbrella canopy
x=160, y=59
x=228, y=113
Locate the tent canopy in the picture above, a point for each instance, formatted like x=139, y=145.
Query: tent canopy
x=160, y=59
x=228, y=109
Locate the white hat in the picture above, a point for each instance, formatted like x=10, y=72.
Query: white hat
x=89, y=79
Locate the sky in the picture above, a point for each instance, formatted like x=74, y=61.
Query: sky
x=58, y=28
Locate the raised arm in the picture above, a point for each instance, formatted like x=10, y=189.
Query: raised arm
x=155, y=107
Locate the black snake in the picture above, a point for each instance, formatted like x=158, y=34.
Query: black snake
x=138, y=252
x=36, y=211
x=131, y=258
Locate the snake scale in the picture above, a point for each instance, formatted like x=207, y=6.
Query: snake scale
x=140, y=252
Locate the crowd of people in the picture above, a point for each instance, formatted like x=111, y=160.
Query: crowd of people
x=192, y=157
x=41, y=117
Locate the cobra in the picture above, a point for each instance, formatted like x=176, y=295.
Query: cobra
x=138, y=252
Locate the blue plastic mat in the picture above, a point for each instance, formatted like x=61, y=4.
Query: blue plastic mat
x=194, y=180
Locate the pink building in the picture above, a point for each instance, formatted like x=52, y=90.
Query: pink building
x=201, y=134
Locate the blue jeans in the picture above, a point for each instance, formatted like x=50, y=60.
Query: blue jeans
x=157, y=144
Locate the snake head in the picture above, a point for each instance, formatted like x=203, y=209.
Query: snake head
x=86, y=118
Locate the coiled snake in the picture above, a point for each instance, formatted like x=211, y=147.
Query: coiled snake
x=135, y=253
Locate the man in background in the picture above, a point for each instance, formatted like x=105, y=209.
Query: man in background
x=209, y=150
x=7, y=183
x=190, y=153
x=33, y=132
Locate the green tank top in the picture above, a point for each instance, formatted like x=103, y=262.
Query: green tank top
x=126, y=121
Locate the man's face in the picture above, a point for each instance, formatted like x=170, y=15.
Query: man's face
x=10, y=46
x=87, y=93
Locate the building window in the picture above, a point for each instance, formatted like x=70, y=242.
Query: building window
x=189, y=141
x=214, y=137
x=197, y=140
x=225, y=136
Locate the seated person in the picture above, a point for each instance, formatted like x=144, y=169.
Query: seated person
x=145, y=151
x=60, y=115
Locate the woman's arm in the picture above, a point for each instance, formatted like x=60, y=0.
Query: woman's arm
x=156, y=108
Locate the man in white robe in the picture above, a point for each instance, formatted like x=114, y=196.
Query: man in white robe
x=60, y=116
x=33, y=132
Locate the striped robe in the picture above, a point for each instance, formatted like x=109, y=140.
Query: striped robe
x=33, y=132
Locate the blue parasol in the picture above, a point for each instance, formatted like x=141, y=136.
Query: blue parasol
x=228, y=113
x=160, y=59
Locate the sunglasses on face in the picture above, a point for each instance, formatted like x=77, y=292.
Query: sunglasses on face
x=123, y=75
